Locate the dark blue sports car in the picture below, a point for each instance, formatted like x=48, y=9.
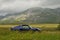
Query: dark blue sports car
x=25, y=28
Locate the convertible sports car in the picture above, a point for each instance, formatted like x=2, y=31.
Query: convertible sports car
x=25, y=28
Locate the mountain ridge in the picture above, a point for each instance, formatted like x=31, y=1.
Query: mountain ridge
x=34, y=15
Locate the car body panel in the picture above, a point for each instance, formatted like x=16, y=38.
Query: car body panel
x=25, y=27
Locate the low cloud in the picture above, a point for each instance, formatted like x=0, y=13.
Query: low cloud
x=51, y=3
x=14, y=6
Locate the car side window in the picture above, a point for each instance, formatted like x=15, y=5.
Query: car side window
x=25, y=27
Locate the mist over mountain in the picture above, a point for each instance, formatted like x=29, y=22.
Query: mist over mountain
x=33, y=15
x=43, y=15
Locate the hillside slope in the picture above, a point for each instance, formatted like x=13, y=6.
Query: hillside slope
x=33, y=15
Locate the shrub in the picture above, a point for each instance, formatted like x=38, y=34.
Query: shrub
x=58, y=27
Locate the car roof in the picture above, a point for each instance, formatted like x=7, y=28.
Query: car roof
x=25, y=25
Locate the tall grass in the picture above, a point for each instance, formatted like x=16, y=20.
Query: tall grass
x=6, y=34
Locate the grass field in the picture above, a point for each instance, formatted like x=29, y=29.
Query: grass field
x=6, y=34
x=34, y=25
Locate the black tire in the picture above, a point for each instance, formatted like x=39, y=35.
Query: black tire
x=11, y=29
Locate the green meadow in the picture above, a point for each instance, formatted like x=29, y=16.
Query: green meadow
x=7, y=34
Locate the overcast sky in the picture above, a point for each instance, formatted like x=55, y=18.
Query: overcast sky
x=7, y=6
